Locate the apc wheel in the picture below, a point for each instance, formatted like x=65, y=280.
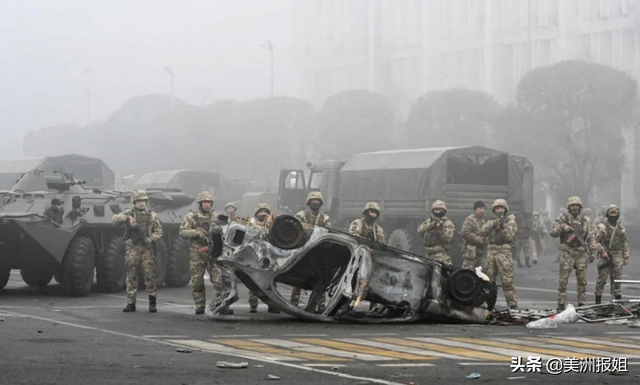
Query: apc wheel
x=403, y=239
x=178, y=273
x=161, y=266
x=4, y=277
x=78, y=267
x=111, y=269
x=36, y=278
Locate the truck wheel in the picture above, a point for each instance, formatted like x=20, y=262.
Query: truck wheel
x=161, y=267
x=79, y=266
x=403, y=239
x=4, y=277
x=35, y=277
x=111, y=270
x=178, y=273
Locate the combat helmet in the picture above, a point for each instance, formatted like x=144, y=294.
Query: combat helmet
x=535, y=213
x=586, y=212
x=230, y=204
x=575, y=200
x=315, y=195
x=611, y=208
x=205, y=196
x=439, y=205
x=545, y=213
x=139, y=195
x=262, y=206
x=500, y=203
x=602, y=211
x=372, y=206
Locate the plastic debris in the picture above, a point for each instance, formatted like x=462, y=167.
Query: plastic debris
x=180, y=350
x=545, y=323
x=473, y=376
x=232, y=365
x=272, y=377
x=335, y=368
x=516, y=378
x=567, y=316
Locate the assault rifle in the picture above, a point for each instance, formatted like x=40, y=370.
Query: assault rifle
x=577, y=235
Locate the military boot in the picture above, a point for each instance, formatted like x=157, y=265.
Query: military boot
x=527, y=264
x=253, y=308
x=519, y=263
x=199, y=310
x=560, y=307
x=598, y=299
x=129, y=308
x=618, y=297
x=152, y=304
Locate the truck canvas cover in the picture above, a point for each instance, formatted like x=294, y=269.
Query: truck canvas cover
x=426, y=174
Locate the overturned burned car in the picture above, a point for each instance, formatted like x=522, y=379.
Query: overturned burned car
x=349, y=270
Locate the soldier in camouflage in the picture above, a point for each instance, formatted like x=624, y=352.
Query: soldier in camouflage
x=367, y=226
x=500, y=232
x=538, y=232
x=611, y=236
x=601, y=217
x=143, y=229
x=474, y=244
x=196, y=227
x=548, y=224
x=523, y=242
x=262, y=220
x=313, y=216
x=576, y=240
x=438, y=234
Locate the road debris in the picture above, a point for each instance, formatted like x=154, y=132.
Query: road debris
x=232, y=365
x=516, y=378
x=272, y=377
x=473, y=376
x=181, y=350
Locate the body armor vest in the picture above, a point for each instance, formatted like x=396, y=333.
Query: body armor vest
x=577, y=229
x=617, y=242
x=317, y=221
x=203, y=221
x=143, y=218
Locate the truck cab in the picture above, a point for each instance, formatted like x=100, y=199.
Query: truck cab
x=295, y=185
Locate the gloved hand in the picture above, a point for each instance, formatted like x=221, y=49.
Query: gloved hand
x=203, y=236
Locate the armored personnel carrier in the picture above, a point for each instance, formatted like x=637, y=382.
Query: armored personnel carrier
x=51, y=226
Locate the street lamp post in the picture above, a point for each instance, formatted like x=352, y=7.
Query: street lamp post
x=269, y=46
x=170, y=74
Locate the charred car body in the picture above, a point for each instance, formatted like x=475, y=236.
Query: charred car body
x=350, y=270
x=51, y=226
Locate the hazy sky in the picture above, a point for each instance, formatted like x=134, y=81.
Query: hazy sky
x=52, y=51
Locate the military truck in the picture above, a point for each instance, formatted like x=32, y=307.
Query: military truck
x=406, y=182
x=190, y=182
x=51, y=226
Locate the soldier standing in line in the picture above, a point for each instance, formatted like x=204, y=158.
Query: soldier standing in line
x=501, y=231
x=367, y=226
x=523, y=242
x=262, y=221
x=539, y=232
x=474, y=244
x=196, y=227
x=313, y=216
x=438, y=234
x=548, y=224
x=142, y=231
x=576, y=240
x=614, y=253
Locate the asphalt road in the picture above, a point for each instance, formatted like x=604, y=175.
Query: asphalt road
x=50, y=339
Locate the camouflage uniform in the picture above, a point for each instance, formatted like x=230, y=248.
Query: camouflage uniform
x=474, y=244
x=316, y=218
x=548, y=224
x=362, y=228
x=501, y=232
x=438, y=235
x=140, y=253
x=264, y=226
x=523, y=242
x=613, y=241
x=196, y=227
x=539, y=232
x=573, y=231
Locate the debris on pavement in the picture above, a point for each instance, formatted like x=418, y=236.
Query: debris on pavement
x=473, y=376
x=272, y=377
x=181, y=350
x=516, y=378
x=232, y=365
x=335, y=368
x=545, y=323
